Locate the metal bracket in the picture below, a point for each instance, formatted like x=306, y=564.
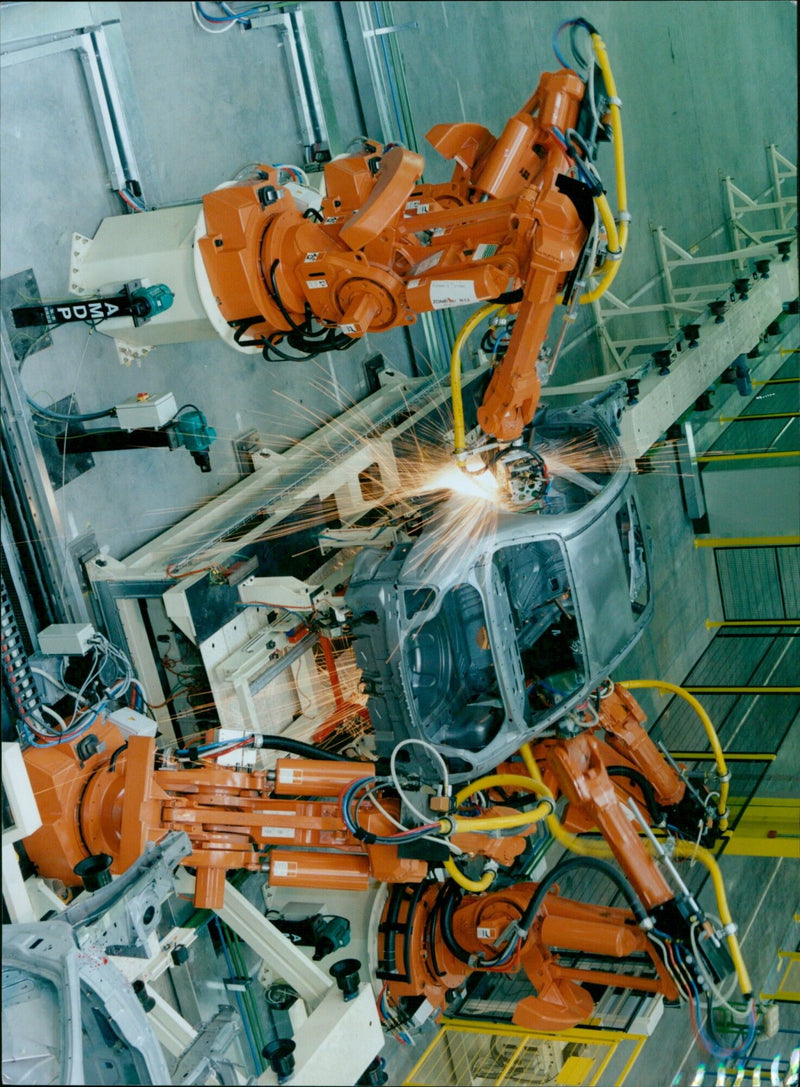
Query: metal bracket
x=91, y=44
x=204, y=1054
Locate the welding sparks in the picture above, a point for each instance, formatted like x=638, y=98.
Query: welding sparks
x=480, y=485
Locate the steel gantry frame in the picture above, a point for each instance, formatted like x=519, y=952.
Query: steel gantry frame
x=692, y=300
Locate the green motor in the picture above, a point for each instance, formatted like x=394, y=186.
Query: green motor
x=192, y=432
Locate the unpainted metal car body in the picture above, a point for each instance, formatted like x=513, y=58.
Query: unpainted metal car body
x=493, y=625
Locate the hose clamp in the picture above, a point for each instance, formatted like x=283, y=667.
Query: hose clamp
x=447, y=831
x=730, y=929
x=614, y=100
x=550, y=802
x=614, y=254
x=723, y=814
x=724, y=777
x=624, y=217
x=647, y=924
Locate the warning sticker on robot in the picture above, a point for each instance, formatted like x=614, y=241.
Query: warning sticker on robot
x=311, y=257
x=452, y=292
x=277, y=832
x=288, y=776
x=283, y=868
x=315, y=284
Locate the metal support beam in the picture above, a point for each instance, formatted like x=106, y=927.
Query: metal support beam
x=747, y=541
x=689, y=474
x=664, y=397
x=91, y=45
x=709, y=458
x=767, y=828
x=743, y=690
x=709, y=756
x=291, y=27
x=271, y=944
x=712, y=623
x=31, y=482
x=174, y=1033
x=682, y=302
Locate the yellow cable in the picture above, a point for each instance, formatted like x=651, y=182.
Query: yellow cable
x=616, y=241
x=716, y=747
x=502, y=822
x=492, y=781
x=689, y=849
x=459, y=432
x=682, y=849
x=474, y=885
x=570, y=841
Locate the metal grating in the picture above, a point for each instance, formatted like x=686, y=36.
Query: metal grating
x=789, y=572
x=768, y=657
x=749, y=582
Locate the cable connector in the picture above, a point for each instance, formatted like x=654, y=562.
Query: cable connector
x=624, y=217
x=647, y=924
x=730, y=929
x=550, y=803
x=724, y=777
x=723, y=814
x=614, y=100
x=613, y=254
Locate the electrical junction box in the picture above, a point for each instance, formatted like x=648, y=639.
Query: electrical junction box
x=144, y=410
x=132, y=723
x=66, y=639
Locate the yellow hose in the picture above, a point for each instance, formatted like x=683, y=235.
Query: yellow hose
x=689, y=849
x=616, y=242
x=713, y=739
x=502, y=822
x=459, y=431
x=570, y=841
x=494, y=781
x=499, y=822
x=474, y=885
x=682, y=849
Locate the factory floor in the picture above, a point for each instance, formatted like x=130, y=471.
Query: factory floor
x=203, y=106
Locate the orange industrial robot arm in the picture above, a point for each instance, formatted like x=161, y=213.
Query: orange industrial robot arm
x=317, y=823
x=293, y=272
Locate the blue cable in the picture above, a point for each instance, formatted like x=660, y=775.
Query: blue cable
x=379, y=839
x=65, y=417
x=556, y=33
x=207, y=747
x=713, y=1049
x=232, y=17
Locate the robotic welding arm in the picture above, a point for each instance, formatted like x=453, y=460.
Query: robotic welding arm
x=293, y=272
x=333, y=823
